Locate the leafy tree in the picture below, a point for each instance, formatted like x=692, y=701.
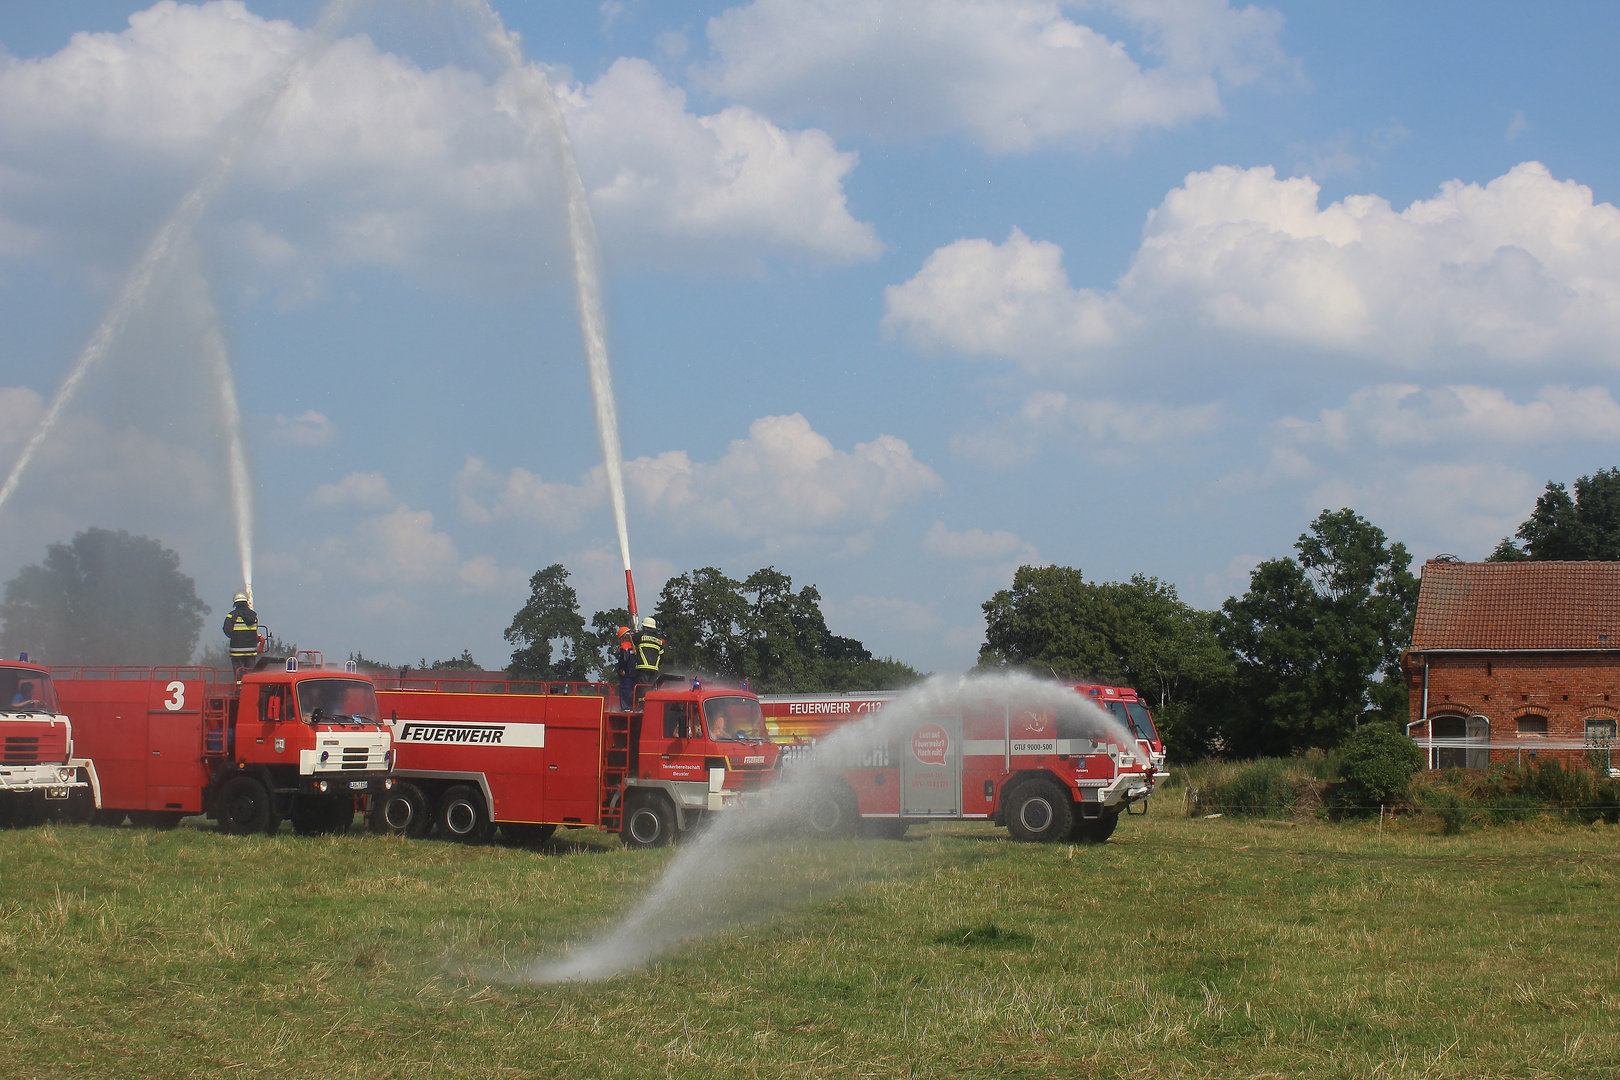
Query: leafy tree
x=1586, y=527
x=464, y=662
x=1318, y=640
x=1136, y=633
x=704, y=618
x=551, y=615
x=761, y=630
x=104, y=598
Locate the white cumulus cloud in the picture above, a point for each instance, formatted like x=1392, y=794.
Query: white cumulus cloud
x=1013, y=74
x=309, y=429
x=1519, y=271
x=785, y=478
x=372, y=159
x=783, y=483
x=1114, y=430
x=366, y=490
x=1400, y=414
x=978, y=545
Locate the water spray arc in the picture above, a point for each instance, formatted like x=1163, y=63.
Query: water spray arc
x=735, y=872
x=587, y=271
x=158, y=257
x=240, y=470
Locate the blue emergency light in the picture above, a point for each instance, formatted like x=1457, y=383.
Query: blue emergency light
x=22, y=656
x=292, y=663
x=697, y=684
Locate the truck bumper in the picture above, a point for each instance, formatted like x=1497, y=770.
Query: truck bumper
x=1121, y=791
x=54, y=781
x=337, y=783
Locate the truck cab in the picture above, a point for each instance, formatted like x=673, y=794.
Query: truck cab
x=694, y=750
x=313, y=740
x=1127, y=706
x=294, y=741
x=39, y=776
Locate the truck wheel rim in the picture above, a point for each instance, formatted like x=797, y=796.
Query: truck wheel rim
x=461, y=818
x=824, y=816
x=1036, y=815
x=398, y=813
x=645, y=826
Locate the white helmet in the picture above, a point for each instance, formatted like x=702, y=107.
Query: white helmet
x=648, y=623
x=240, y=598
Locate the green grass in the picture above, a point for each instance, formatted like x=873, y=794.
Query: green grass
x=1182, y=948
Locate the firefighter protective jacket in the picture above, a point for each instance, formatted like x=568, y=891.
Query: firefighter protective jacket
x=649, y=652
x=242, y=627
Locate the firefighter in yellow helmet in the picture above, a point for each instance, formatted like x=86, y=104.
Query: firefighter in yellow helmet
x=649, y=652
x=242, y=628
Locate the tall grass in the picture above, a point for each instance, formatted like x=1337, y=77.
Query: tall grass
x=1180, y=949
x=1263, y=787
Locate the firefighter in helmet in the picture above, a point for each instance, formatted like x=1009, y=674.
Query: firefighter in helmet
x=242, y=627
x=626, y=668
x=649, y=652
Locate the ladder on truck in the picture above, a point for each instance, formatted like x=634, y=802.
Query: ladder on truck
x=615, y=765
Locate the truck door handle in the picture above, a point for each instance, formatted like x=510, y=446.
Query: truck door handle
x=666, y=757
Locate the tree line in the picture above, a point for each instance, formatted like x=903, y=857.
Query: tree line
x=1306, y=654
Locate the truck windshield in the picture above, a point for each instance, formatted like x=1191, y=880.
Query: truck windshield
x=22, y=690
x=734, y=719
x=341, y=701
x=1142, y=721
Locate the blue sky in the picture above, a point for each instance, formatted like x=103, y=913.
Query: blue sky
x=900, y=294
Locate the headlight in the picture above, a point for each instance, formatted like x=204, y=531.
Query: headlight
x=320, y=785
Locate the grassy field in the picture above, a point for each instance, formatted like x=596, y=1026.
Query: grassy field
x=1182, y=948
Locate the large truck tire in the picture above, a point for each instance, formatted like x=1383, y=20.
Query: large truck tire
x=649, y=820
x=832, y=812
x=1040, y=812
x=1095, y=830
x=525, y=834
x=243, y=807
x=401, y=811
x=462, y=816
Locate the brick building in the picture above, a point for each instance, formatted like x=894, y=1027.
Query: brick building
x=1511, y=661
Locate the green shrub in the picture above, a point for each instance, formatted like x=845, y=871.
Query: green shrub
x=1259, y=788
x=1452, y=809
x=1377, y=762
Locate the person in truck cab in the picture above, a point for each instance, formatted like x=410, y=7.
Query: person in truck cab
x=242, y=628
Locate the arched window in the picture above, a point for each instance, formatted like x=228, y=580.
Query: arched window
x=1600, y=731
x=1532, y=725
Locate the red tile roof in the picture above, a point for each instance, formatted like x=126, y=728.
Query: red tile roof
x=1518, y=605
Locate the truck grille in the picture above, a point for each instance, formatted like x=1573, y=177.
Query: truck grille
x=22, y=750
x=355, y=757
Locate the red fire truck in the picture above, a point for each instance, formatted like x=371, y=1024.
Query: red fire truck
x=491, y=755
x=39, y=776
x=296, y=741
x=1047, y=774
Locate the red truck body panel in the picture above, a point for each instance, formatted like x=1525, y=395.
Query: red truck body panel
x=145, y=736
x=538, y=757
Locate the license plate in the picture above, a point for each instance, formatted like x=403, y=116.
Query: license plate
x=359, y=785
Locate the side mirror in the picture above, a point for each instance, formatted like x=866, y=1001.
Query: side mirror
x=317, y=715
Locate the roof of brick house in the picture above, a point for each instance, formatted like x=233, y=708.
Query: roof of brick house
x=1518, y=605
